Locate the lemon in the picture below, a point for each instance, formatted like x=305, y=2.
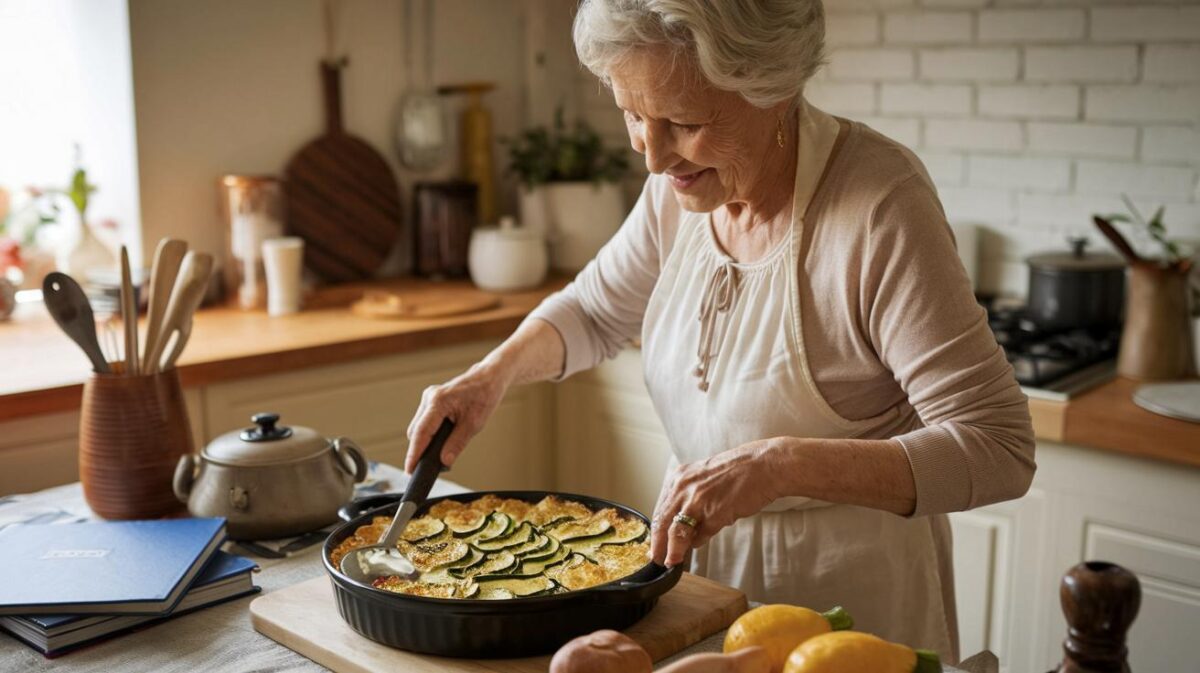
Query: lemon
x=778, y=629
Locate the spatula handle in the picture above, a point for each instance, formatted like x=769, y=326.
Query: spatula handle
x=428, y=466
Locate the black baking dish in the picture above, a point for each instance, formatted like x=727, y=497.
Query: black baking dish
x=517, y=627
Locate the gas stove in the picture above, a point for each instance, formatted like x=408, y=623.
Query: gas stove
x=1053, y=365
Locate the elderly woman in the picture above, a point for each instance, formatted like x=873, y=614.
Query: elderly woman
x=829, y=385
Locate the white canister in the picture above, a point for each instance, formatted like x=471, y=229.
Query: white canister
x=283, y=259
x=507, y=258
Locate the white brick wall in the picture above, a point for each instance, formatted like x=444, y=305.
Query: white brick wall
x=1031, y=25
x=1081, y=64
x=993, y=64
x=1030, y=115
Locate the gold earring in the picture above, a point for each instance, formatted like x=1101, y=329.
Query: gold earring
x=779, y=132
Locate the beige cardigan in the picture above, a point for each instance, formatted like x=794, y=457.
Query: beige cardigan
x=897, y=336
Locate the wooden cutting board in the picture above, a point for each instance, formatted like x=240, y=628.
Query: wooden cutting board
x=342, y=197
x=397, y=306
x=304, y=618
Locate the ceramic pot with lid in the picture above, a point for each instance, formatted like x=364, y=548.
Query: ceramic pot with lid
x=507, y=258
x=1075, y=290
x=271, y=481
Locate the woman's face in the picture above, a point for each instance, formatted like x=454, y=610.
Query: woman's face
x=713, y=144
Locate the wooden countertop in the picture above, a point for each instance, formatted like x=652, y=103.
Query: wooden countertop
x=44, y=371
x=1106, y=418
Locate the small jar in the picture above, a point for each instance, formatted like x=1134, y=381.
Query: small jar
x=253, y=207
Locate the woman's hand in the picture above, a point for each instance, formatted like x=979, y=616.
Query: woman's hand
x=715, y=492
x=468, y=399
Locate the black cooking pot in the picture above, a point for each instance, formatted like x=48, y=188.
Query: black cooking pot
x=517, y=627
x=1075, y=290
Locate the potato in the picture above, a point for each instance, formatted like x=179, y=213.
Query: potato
x=601, y=652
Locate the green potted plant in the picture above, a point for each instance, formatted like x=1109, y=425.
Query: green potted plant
x=569, y=188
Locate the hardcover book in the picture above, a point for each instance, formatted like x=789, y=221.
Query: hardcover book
x=103, y=567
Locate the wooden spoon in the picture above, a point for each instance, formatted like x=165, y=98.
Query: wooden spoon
x=69, y=307
x=189, y=290
x=1110, y=232
x=167, y=259
x=129, y=315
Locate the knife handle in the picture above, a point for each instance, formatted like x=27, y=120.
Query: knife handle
x=428, y=466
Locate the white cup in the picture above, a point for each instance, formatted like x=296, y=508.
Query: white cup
x=284, y=261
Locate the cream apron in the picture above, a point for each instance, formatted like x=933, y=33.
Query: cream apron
x=884, y=569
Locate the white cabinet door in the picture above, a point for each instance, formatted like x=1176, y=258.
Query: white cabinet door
x=1145, y=516
x=999, y=574
x=610, y=441
x=372, y=402
x=38, y=452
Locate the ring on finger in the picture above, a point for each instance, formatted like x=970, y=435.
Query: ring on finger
x=686, y=520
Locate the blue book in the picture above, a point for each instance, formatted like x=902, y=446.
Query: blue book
x=225, y=578
x=103, y=567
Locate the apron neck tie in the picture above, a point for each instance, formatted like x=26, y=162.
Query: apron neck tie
x=719, y=295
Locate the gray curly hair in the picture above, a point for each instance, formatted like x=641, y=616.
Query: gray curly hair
x=763, y=50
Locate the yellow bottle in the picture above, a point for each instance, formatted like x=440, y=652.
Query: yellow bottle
x=854, y=652
x=780, y=628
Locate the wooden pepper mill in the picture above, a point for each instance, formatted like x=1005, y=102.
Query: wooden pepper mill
x=1100, y=601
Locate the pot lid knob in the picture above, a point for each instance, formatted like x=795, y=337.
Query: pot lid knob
x=1078, y=245
x=265, y=430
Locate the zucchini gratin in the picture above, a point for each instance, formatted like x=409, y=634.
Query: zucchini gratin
x=496, y=548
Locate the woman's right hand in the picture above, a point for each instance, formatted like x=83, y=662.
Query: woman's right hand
x=468, y=399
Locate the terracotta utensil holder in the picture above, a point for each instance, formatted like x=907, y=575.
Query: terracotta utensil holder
x=1156, y=343
x=132, y=432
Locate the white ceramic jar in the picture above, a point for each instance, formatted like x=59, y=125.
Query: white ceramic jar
x=507, y=258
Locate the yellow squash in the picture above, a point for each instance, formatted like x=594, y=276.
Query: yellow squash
x=780, y=628
x=853, y=652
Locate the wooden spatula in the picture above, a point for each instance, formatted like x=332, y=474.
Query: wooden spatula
x=167, y=259
x=189, y=290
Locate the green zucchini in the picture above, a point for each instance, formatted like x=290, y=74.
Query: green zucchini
x=537, y=544
x=521, y=535
x=584, y=530
x=530, y=567
x=519, y=585
x=470, y=528
x=499, y=525
x=470, y=591
x=500, y=562
x=616, y=536
x=423, y=529
x=543, y=554
x=473, y=559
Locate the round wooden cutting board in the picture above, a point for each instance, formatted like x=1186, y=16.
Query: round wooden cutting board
x=342, y=197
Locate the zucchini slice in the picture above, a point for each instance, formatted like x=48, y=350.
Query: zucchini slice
x=529, y=567
x=422, y=529
x=470, y=591
x=629, y=530
x=557, y=521
x=625, y=532
x=537, y=544
x=518, y=537
x=474, y=558
x=499, y=525
x=519, y=585
x=543, y=554
x=583, y=530
x=498, y=563
x=466, y=523
x=427, y=556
